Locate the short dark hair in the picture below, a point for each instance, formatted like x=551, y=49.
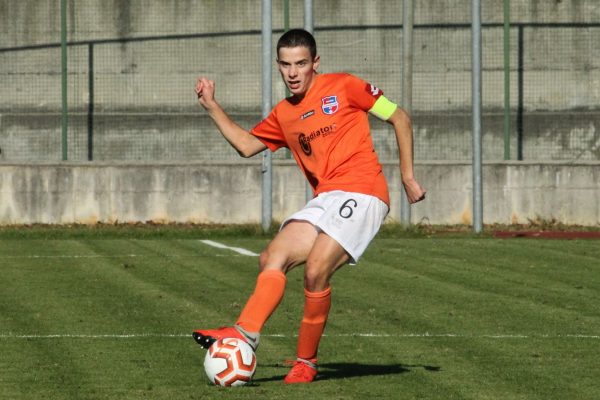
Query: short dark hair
x=298, y=38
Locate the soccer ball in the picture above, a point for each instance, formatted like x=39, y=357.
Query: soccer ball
x=230, y=362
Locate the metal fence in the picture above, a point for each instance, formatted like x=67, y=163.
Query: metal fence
x=132, y=66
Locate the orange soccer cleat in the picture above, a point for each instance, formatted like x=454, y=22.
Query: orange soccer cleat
x=303, y=371
x=206, y=337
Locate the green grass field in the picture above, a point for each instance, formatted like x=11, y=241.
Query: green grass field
x=108, y=314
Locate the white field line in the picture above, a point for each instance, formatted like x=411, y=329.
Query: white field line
x=69, y=256
x=77, y=256
x=238, y=250
x=10, y=335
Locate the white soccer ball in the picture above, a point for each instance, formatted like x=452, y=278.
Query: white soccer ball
x=230, y=362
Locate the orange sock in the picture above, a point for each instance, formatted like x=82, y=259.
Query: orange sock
x=270, y=286
x=316, y=310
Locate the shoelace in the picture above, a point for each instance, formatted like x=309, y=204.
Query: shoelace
x=299, y=368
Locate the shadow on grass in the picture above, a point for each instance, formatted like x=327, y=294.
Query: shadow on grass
x=329, y=371
x=350, y=370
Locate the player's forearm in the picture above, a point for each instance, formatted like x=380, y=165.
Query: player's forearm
x=237, y=137
x=404, y=137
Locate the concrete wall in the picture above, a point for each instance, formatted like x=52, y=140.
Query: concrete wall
x=143, y=90
x=442, y=56
x=230, y=193
x=192, y=136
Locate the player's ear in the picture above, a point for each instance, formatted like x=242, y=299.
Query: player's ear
x=316, y=62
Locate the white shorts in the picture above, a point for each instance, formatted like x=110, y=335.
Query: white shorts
x=351, y=219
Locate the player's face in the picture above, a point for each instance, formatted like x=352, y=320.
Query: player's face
x=297, y=68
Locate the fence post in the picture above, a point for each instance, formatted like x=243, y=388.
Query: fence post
x=63, y=60
x=407, y=64
x=507, y=79
x=286, y=15
x=90, y=120
x=308, y=16
x=267, y=158
x=520, y=90
x=476, y=99
x=309, y=26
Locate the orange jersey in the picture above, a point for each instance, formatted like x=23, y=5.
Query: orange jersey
x=329, y=136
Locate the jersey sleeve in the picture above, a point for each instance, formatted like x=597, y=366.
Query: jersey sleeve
x=362, y=94
x=269, y=132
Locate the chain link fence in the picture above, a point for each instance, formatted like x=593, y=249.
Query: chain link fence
x=132, y=66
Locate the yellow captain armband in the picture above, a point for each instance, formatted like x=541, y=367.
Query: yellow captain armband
x=383, y=108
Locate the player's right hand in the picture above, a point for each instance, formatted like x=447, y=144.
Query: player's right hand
x=205, y=90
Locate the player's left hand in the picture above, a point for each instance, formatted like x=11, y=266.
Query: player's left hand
x=414, y=191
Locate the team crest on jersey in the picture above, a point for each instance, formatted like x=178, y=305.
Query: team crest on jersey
x=373, y=90
x=330, y=105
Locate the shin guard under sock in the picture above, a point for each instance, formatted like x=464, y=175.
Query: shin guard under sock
x=270, y=286
x=316, y=311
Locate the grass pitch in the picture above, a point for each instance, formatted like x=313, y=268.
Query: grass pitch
x=108, y=314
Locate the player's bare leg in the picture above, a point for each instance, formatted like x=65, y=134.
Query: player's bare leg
x=326, y=256
x=290, y=247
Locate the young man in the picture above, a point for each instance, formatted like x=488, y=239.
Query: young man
x=325, y=125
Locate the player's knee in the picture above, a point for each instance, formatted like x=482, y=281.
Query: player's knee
x=269, y=259
x=315, y=279
x=263, y=260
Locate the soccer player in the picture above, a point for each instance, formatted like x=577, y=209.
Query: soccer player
x=325, y=125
